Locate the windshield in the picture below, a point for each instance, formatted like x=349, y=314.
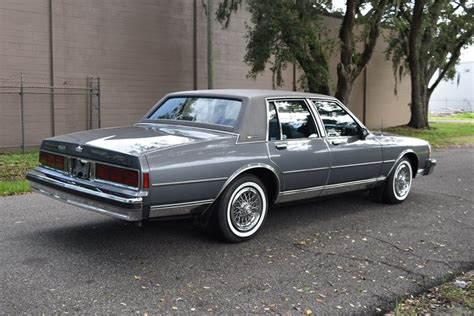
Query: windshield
x=201, y=110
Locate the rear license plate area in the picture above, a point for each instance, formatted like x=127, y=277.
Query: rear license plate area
x=80, y=168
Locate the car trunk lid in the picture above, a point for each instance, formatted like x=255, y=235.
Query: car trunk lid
x=123, y=145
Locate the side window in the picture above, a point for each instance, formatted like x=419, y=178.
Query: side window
x=337, y=121
x=273, y=123
x=295, y=119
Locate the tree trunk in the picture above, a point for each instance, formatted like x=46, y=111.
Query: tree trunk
x=344, y=85
x=344, y=75
x=417, y=119
x=426, y=102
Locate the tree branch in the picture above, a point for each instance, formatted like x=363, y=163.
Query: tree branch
x=373, y=34
x=455, y=54
x=225, y=10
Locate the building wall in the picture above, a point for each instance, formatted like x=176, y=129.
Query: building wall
x=141, y=50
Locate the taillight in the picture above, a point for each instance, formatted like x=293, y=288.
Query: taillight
x=146, y=180
x=51, y=160
x=116, y=174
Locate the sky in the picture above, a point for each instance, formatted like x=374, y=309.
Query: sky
x=467, y=54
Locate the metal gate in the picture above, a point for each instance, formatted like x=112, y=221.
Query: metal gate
x=92, y=103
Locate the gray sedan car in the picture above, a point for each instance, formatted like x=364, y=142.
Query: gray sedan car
x=226, y=156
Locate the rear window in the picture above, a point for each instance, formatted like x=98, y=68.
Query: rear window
x=201, y=110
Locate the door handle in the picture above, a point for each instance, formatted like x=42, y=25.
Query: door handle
x=337, y=142
x=281, y=146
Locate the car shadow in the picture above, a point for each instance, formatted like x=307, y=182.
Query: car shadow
x=164, y=236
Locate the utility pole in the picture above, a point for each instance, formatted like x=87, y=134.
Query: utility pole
x=195, y=79
x=51, y=67
x=210, y=52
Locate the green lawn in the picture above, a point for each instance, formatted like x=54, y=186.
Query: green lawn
x=13, y=168
x=440, y=134
x=458, y=116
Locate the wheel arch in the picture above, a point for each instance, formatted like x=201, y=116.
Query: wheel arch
x=412, y=157
x=266, y=173
x=414, y=161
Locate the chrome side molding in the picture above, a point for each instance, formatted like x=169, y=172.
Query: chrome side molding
x=323, y=190
x=188, y=182
x=178, y=209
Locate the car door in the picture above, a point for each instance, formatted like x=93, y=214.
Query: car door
x=295, y=145
x=353, y=157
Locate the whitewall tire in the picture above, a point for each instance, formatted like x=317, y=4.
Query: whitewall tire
x=242, y=209
x=398, y=184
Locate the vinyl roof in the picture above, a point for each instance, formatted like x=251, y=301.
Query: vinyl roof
x=252, y=123
x=249, y=93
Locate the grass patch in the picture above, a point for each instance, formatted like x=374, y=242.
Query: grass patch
x=13, y=169
x=460, y=296
x=14, y=187
x=447, y=298
x=440, y=134
x=457, y=116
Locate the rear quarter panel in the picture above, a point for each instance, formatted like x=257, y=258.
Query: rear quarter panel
x=177, y=174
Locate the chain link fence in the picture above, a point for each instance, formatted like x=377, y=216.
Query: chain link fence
x=451, y=105
x=31, y=111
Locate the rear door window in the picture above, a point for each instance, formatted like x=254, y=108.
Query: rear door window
x=294, y=118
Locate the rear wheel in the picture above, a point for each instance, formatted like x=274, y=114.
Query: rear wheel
x=242, y=209
x=398, y=184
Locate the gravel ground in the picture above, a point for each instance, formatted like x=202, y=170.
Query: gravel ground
x=345, y=254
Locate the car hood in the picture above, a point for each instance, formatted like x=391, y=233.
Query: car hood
x=392, y=139
x=138, y=139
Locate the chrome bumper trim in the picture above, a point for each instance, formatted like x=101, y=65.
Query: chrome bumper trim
x=428, y=169
x=129, y=209
x=429, y=166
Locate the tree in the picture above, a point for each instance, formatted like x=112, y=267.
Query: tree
x=426, y=40
x=283, y=32
x=292, y=31
x=352, y=63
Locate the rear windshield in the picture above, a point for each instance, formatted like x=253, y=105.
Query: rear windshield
x=201, y=110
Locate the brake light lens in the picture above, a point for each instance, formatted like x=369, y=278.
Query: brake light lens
x=116, y=174
x=51, y=160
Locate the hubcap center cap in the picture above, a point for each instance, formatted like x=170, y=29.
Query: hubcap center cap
x=247, y=207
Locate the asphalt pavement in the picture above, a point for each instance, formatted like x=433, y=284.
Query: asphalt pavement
x=345, y=254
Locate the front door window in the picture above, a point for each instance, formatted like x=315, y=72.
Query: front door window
x=336, y=120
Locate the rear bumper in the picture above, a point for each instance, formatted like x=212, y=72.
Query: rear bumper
x=428, y=169
x=128, y=208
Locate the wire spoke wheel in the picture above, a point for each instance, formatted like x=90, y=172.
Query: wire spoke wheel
x=402, y=180
x=246, y=209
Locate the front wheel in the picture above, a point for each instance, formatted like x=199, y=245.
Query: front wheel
x=398, y=184
x=242, y=209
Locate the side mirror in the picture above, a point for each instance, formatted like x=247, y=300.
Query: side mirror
x=363, y=133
